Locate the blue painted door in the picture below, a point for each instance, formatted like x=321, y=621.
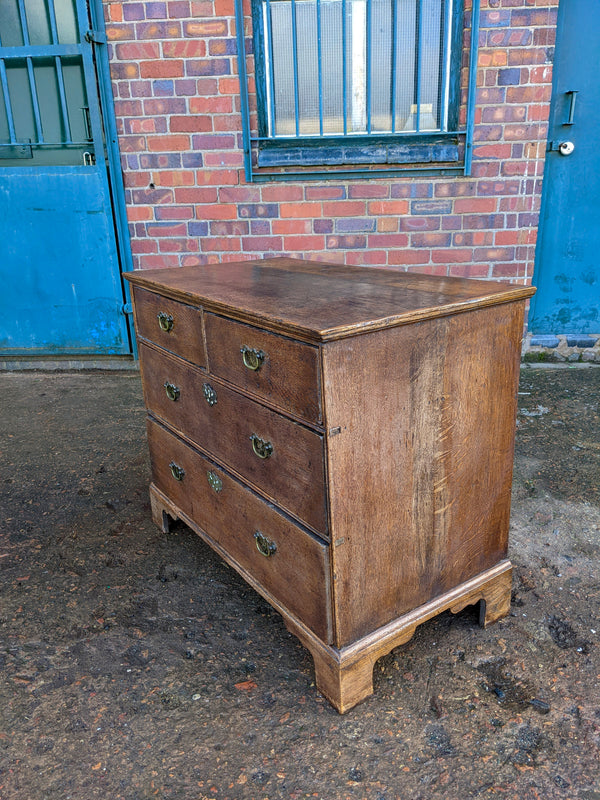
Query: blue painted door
x=567, y=270
x=59, y=259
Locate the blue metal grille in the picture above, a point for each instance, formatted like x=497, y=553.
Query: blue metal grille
x=45, y=68
x=372, y=79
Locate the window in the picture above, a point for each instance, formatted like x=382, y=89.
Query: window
x=345, y=83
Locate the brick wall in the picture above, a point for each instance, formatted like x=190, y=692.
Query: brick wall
x=174, y=68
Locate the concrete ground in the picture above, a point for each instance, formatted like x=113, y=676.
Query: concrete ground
x=135, y=665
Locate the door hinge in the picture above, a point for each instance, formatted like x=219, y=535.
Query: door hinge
x=95, y=37
x=127, y=308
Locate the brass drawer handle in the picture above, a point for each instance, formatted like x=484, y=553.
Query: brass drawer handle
x=209, y=394
x=252, y=358
x=265, y=547
x=214, y=481
x=172, y=391
x=176, y=471
x=261, y=448
x=165, y=321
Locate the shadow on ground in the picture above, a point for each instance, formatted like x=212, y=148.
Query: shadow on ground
x=135, y=665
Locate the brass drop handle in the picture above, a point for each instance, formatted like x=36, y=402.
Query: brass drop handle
x=214, y=481
x=261, y=448
x=209, y=394
x=252, y=357
x=165, y=321
x=172, y=391
x=176, y=471
x=266, y=547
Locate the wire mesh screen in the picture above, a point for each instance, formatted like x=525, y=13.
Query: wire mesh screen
x=343, y=67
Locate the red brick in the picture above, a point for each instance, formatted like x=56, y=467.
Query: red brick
x=376, y=258
x=206, y=27
x=300, y=210
x=262, y=244
x=137, y=51
x=213, y=244
x=472, y=238
x=470, y=270
x=239, y=194
x=211, y=105
x=492, y=151
x=217, y=177
x=174, y=142
x=494, y=253
x=181, y=245
x=226, y=159
x=236, y=227
x=344, y=208
x=388, y=240
x=190, y=123
x=292, y=226
x=304, y=242
x=217, y=211
x=347, y=242
x=475, y=205
x=394, y=207
x=174, y=212
x=139, y=213
x=430, y=239
x=281, y=194
x=325, y=192
x=144, y=246
x=158, y=261
x=451, y=256
x=368, y=191
x=189, y=48
x=124, y=71
x=161, y=69
x=196, y=195
x=173, y=178
x=420, y=223
x=116, y=33
x=430, y=269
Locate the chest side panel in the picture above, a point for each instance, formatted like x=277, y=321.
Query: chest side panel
x=421, y=468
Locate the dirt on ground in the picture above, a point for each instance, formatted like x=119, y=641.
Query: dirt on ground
x=136, y=665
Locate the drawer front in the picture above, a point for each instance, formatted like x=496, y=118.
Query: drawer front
x=280, y=457
x=277, y=369
x=288, y=562
x=170, y=324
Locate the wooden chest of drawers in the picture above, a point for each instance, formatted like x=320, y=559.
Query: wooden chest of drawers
x=343, y=437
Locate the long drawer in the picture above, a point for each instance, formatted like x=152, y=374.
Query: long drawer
x=280, y=370
x=288, y=562
x=281, y=458
x=175, y=326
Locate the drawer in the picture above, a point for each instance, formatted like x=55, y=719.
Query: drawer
x=287, y=561
x=280, y=370
x=280, y=457
x=170, y=324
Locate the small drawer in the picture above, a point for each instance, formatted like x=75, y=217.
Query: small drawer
x=170, y=324
x=288, y=562
x=280, y=370
x=280, y=457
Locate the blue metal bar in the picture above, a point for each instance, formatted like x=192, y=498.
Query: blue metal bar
x=34, y=101
x=446, y=23
x=42, y=145
x=24, y=26
x=41, y=51
x=344, y=69
x=241, y=54
x=89, y=71
x=320, y=67
x=368, y=64
x=64, y=111
x=418, y=59
x=52, y=15
x=7, y=103
x=295, y=57
x=271, y=71
x=394, y=61
x=383, y=134
x=472, y=90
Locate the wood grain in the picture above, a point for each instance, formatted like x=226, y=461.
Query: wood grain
x=293, y=475
x=288, y=377
x=321, y=302
x=297, y=572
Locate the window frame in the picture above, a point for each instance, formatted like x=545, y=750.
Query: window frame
x=269, y=158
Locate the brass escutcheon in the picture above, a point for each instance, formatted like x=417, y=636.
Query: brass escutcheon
x=266, y=547
x=172, y=391
x=214, y=481
x=252, y=357
x=176, y=471
x=261, y=448
x=209, y=394
x=165, y=321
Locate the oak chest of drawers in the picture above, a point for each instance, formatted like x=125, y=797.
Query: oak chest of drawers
x=342, y=436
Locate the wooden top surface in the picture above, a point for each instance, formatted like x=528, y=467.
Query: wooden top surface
x=321, y=302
